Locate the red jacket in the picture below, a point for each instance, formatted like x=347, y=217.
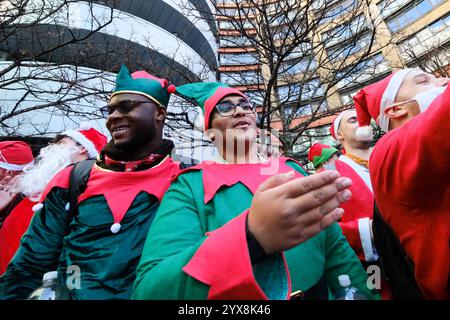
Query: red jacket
x=14, y=226
x=410, y=172
x=358, y=210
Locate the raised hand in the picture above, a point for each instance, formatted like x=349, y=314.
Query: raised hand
x=286, y=211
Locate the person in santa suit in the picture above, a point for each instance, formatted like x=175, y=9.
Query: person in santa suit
x=103, y=239
x=409, y=172
x=69, y=147
x=243, y=227
x=322, y=156
x=353, y=163
x=14, y=157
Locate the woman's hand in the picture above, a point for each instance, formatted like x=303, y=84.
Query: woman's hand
x=286, y=211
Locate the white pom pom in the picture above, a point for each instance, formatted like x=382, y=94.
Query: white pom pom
x=364, y=132
x=37, y=207
x=115, y=227
x=85, y=126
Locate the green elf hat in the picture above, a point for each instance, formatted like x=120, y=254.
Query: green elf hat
x=319, y=153
x=207, y=95
x=143, y=83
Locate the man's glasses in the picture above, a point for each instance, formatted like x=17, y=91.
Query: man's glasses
x=124, y=107
x=228, y=109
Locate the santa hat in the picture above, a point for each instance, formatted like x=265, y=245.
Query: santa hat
x=319, y=153
x=207, y=95
x=15, y=155
x=143, y=83
x=89, y=138
x=336, y=123
x=371, y=101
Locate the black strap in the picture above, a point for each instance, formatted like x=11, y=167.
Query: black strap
x=79, y=177
x=396, y=266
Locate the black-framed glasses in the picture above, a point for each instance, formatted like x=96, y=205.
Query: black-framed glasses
x=228, y=109
x=124, y=107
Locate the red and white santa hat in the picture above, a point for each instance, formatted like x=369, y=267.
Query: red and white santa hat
x=371, y=101
x=91, y=139
x=336, y=123
x=15, y=155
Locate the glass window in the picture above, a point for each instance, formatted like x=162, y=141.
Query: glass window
x=344, y=32
x=416, y=11
x=238, y=59
x=240, y=78
x=256, y=97
x=227, y=41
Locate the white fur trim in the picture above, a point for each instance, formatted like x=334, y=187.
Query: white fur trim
x=370, y=254
x=363, y=132
x=14, y=167
x=37, y=207
x=337, y=122
x=85, y=126
x=389, y=95
x=199, y=122
x=81, y=139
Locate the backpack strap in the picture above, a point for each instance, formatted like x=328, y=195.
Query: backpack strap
x=79, y=177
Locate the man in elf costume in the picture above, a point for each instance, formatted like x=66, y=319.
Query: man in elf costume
x=322, y=156
x=356, y=223
x=410, y=176
x=70, y=146
x=243, y=227
x=103, y=240
x=14, y=157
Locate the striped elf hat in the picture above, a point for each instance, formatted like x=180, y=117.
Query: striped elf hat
x=319, y=153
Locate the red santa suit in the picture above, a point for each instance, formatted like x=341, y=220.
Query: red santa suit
x=410, y=174
x=12, y=231
x=358, y=210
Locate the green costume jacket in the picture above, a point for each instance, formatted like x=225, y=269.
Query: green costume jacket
x=197, y=247
x=101, y=244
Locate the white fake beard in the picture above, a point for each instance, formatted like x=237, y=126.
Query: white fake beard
x=50, y=161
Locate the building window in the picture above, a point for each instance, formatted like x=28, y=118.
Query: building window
x=411, y=14
x=343, y=32
x=238, y=59
x=240, y=78
x=340, y=52
x=292, y=68
x=347, y=97
x=429, y=38
x=363, y=71
x=387, y=7
x=310, y=90
x=328, y=11
x=257, y=97
x=228, y=41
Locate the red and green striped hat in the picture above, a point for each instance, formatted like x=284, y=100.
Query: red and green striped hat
x=207, y=95
x=319, y=153
x=141, y=82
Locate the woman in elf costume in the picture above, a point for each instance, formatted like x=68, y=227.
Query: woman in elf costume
x=243, y=227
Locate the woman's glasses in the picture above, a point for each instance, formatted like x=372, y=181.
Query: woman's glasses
x=228, y=109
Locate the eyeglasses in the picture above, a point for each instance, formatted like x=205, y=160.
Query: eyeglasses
x=124, y=107
x=228, y=109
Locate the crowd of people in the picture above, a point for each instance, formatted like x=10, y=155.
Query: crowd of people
x=138, y=222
